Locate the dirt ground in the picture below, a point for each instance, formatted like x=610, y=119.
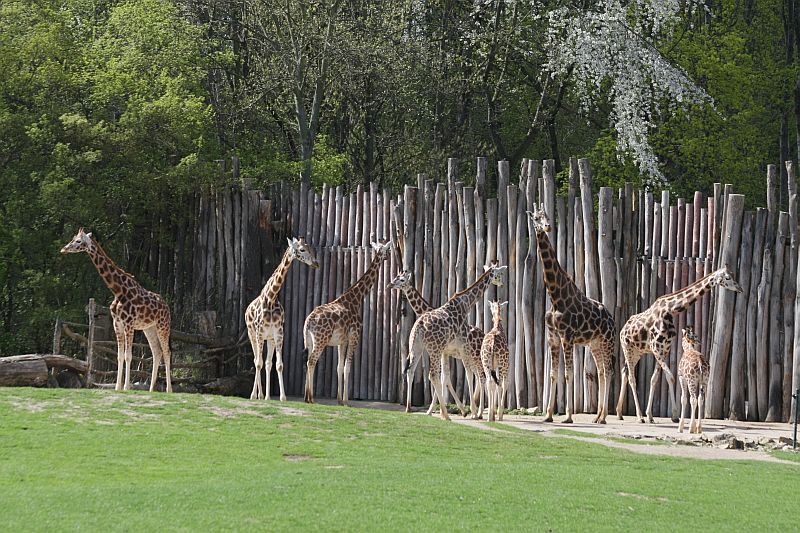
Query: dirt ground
x=721, y=439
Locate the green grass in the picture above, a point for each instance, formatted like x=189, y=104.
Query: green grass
x=99, y=460
x=786, y=455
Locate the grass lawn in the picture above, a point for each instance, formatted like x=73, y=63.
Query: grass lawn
x=100, y=460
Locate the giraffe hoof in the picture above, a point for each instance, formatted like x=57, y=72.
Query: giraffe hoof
x=603, y=421
x=283, y=397
x=548, y=419
x=675, y=419
x=651, y=420
x=641, y=420
x=567, y=421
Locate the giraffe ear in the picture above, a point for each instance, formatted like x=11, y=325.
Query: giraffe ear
x=504, y=304
x=89, y=234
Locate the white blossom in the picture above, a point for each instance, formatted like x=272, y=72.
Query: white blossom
x=610, y=45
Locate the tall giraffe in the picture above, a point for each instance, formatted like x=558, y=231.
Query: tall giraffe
x=466, y=346
x=339, y=323
x=573, y=319
x=494, y=356
x=653, y=331
x=437, y=328
x=264, y=317
x=693, y=371
x=134, y=307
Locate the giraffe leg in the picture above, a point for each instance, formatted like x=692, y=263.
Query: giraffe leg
x=351, y=350
x=256, y=343
x=622, y=387
x=340, y=383
x=481, y=393
x=693, y=408
x=671, y=385
x=268, y=368
x=568, y=373
x=653, y=381
x=555, y=345
x=128, y=357
x=682, y=383
x=501, y=401
x=155, y=348
x=700, y=400
x=310, y=367
x=166, y=352
x=434, y=375
x=632, y=383
x=279, y=362
x=119, y=330
x=471, y=387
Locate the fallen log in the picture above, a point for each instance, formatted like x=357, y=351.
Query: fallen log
x=23, y=371
x=62, y=361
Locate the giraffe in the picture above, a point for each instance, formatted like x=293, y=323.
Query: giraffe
x=465, y=346
x=339, y=323
x=134, y=307
x=264, y=317
x=573, y=319
x=693, y=373
x=435, y=329
x=494, y=357
x=653, y=331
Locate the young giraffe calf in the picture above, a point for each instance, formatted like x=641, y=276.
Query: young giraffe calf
x=494, y=356
x=693, y=373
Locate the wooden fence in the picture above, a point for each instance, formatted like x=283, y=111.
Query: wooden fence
x=624, y=247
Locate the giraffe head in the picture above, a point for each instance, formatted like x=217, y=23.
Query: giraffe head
x=401, y=281
x=303, y=252
x=539, y=218
x=496, y=274
x=495, y=306
x=690, y=338
x=381, y=250
x=81, y=242
x=724, y=279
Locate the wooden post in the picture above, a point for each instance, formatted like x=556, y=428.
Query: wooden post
x=775, y=396
x=753, y=319
x=480, y=230
x=91, y=311
x=592, y=268
x=532, y=296
x=736, y=409
x=721, y=342
x=57, y=337
x=575, y=266
x=522, y=377
x=790, y=294
x=608, y=267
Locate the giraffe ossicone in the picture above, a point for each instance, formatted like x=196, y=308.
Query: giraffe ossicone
x=133, y=308
x=264, y=317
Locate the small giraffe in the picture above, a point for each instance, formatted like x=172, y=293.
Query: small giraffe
x=435, y=329
x=693, y=373
x=264, y=318
x=653, y=331
x=134, y=307
x=573, y=319
x=466, y=346
x=494, y=356
x=339, y=323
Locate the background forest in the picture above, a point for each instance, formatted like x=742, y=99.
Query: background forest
x=112, y=111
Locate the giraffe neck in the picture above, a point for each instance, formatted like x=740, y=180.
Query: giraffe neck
x=681, y=300
x=357, y=291
x=270, y=291
x=415, y=300
x=556, y=279
x=469, y=296
x=116, y=279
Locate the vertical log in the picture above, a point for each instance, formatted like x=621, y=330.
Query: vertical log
x=386, y=336
x=491, y=246
x=608, y=268
x=790, y=293
x=503, y=234
x=480, y=230
x=522, y=372
x=592, y=268
x=409, y=235
x=469, y=237
x=721, y=341
x=753, y=320
x=776, y=341
x=514, y=373
x=91, y=311
x=370, y=336
x=739, y=354
x=533, y=355
x=438, y=281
